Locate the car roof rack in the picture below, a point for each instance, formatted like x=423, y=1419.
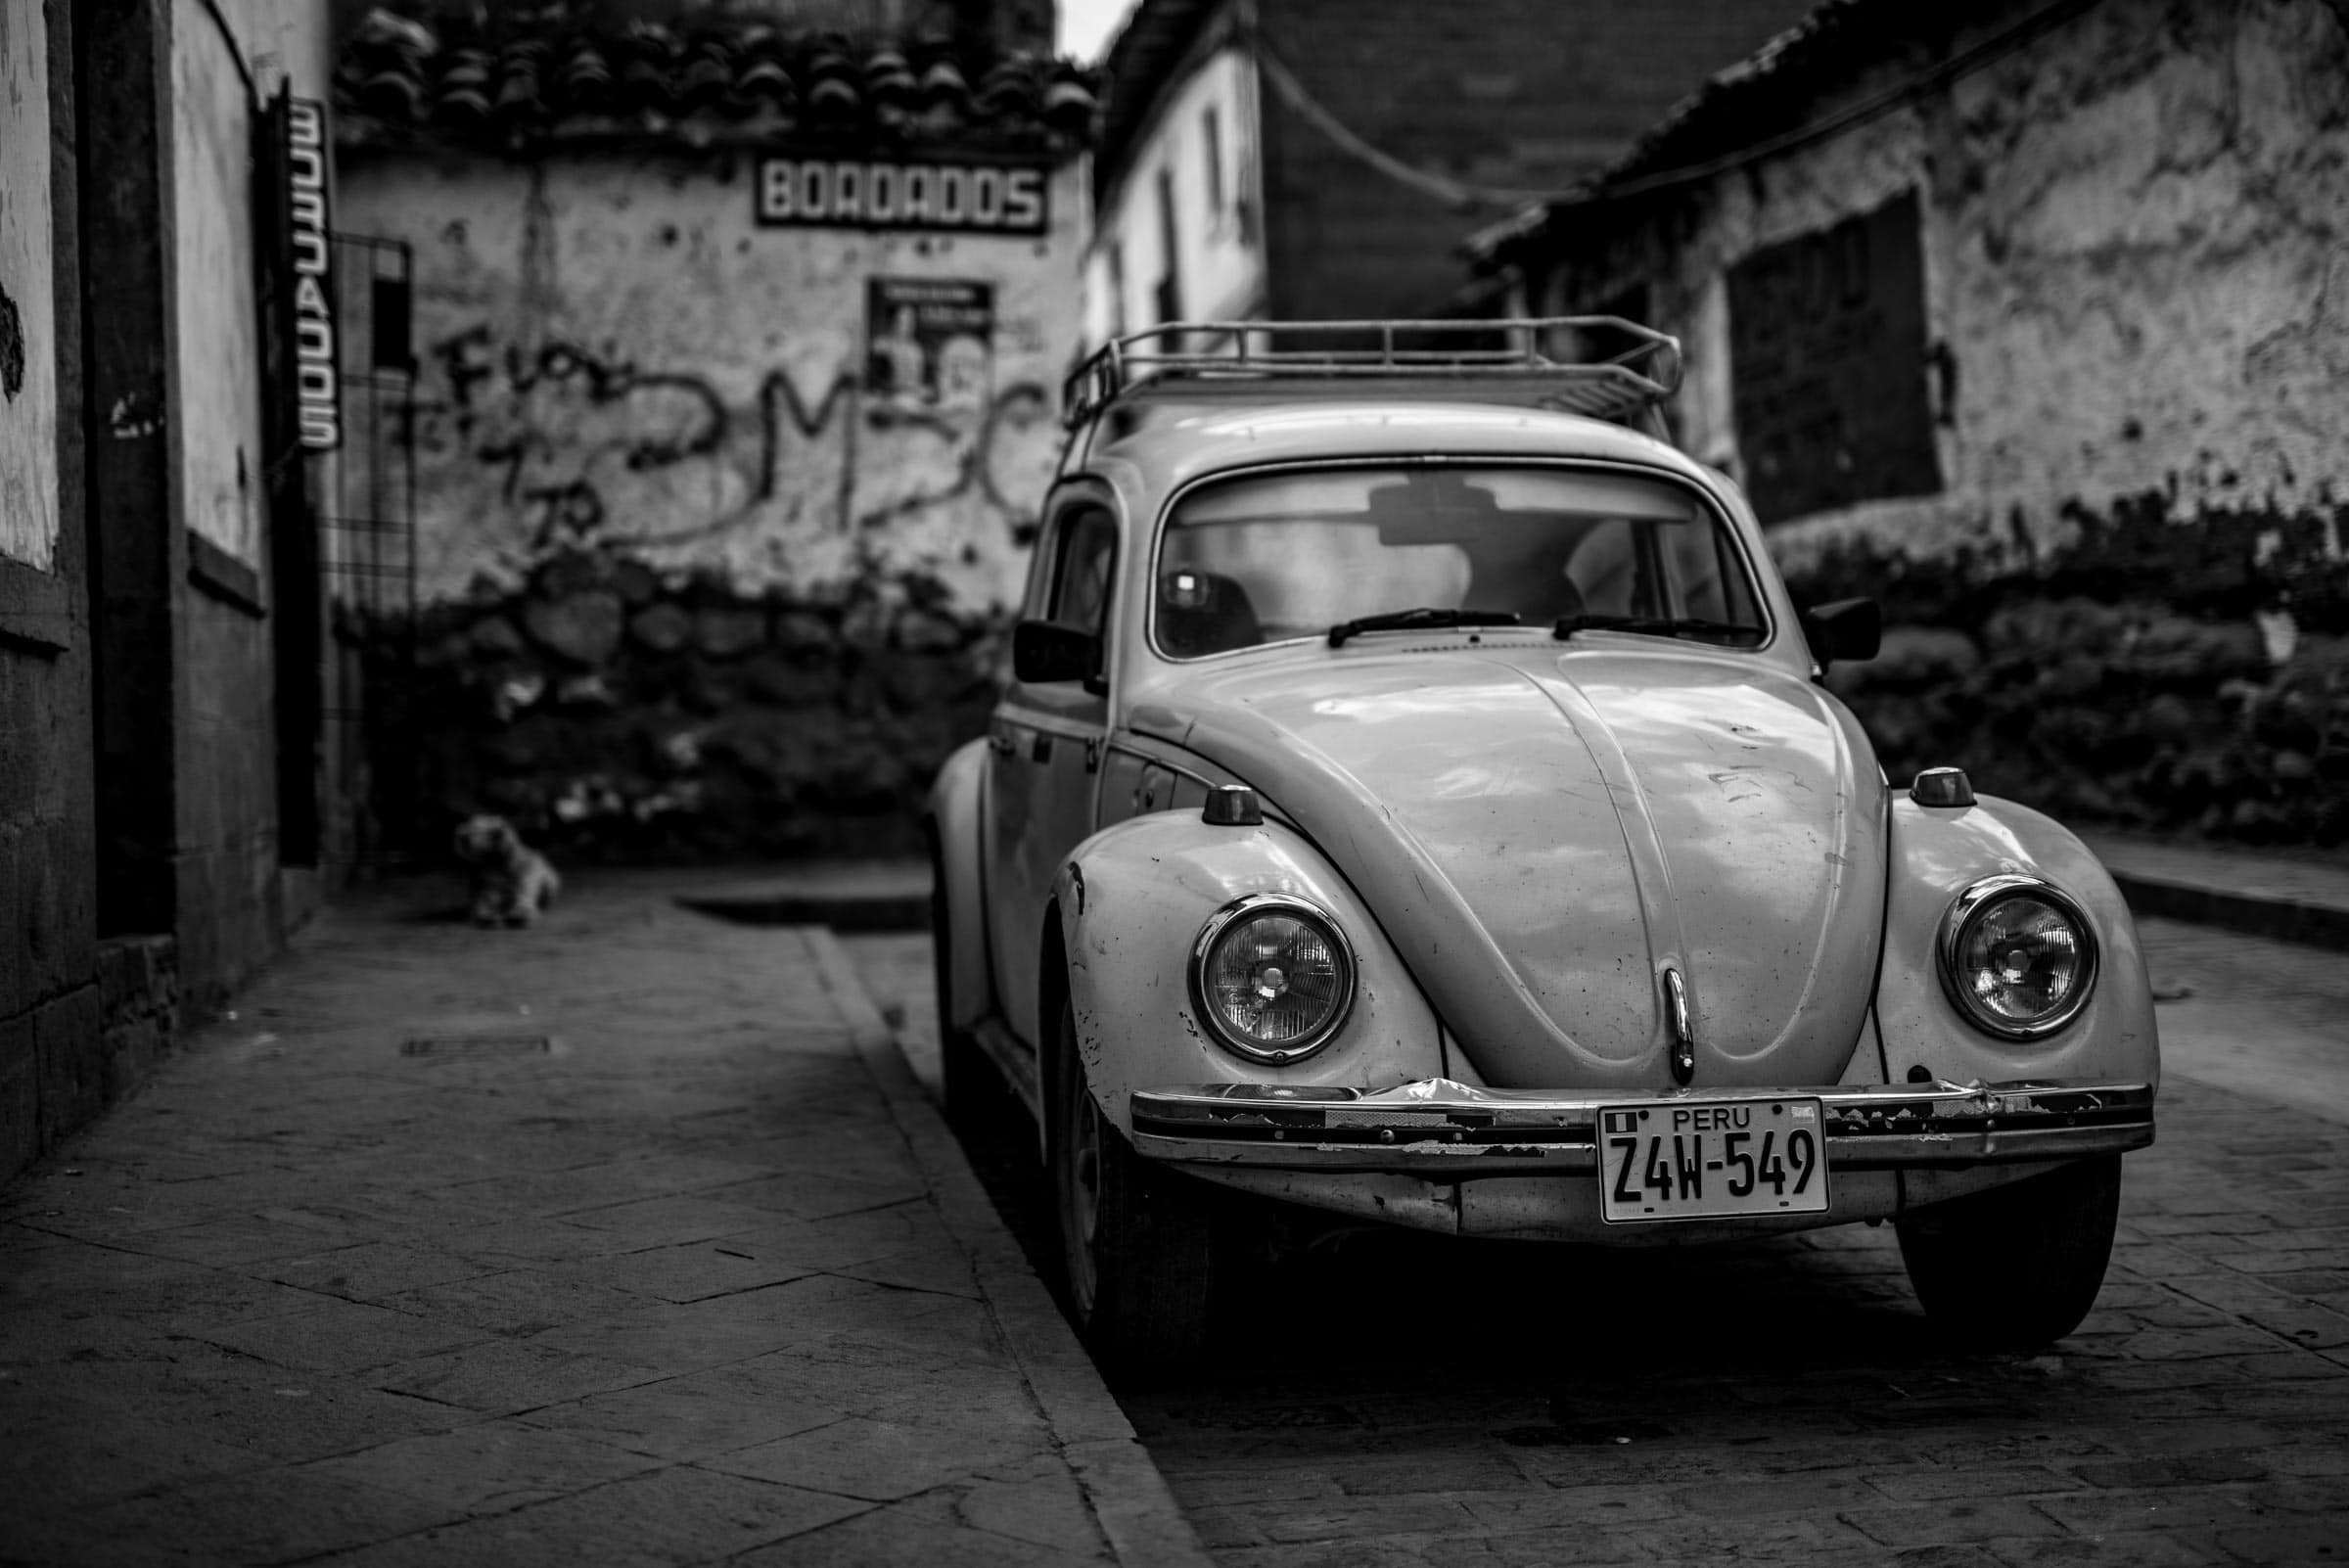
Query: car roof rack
x=1623, y=386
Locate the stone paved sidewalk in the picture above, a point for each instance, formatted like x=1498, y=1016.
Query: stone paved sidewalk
x=601, y=1242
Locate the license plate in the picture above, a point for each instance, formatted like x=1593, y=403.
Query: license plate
x=1710, y=1159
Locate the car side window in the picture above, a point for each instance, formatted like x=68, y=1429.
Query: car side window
x=1081, y=587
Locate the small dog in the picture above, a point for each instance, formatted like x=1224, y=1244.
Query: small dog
x=512, y=883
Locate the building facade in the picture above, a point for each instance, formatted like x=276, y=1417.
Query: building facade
x=737, y=350
x=1316, y=160
x=2029, y=322
x=171, y=804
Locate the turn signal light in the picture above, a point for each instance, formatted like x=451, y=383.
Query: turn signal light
x=1941, y=786
x=1232, y=805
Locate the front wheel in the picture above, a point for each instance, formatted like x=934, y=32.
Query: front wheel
x=1135, y=1240
x=2021, y=1265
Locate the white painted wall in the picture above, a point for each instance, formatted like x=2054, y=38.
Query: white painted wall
x=28, y=398
x=1219, y=247
x=215, y=317
x=2133, y=247
x=613, y=356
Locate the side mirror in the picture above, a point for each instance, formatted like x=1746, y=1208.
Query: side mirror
x=1848, y=629
x=1042, y=653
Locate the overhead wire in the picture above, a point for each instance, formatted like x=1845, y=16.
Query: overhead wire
x=236, y=49
x=1470, y=193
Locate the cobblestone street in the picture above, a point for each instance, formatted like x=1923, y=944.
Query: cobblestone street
x=390, y=1269
x=1391, y=1401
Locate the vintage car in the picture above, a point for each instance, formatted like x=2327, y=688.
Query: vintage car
x=1413, y=796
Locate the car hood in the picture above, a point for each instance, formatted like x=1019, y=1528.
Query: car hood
x=1542, y=832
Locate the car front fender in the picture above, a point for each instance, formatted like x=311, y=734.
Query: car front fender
x=1132, y=899
x=1937, y=852
x=953, y=820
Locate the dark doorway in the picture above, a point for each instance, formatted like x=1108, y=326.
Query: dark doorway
x=368, y=533
x=121, y=69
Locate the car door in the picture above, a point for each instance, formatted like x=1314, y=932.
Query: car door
x=1044, y=744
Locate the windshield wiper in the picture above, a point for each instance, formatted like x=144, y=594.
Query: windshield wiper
x=1652, y=625
x=1423, y=619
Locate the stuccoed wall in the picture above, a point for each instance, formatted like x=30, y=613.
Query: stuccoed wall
x=233, y=903
x=688, y=587
x=2130, y=601
x=1218, y=249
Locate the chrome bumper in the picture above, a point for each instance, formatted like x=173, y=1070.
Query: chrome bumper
x=1442, y=1131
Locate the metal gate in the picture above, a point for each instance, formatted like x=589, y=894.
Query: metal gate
x=367, y=549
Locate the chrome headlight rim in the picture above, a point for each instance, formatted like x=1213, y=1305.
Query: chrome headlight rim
x=1290, y=904
x=1979, y=897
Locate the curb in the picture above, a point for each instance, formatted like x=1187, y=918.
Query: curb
x=2280, y=919
x=1139, y=1516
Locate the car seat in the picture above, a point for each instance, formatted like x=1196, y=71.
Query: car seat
x=1204, y=613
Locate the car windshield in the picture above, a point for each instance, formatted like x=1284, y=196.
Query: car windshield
x=1276, y=556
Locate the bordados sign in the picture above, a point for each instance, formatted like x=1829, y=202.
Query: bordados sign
x=807, y=191
x=316, y=378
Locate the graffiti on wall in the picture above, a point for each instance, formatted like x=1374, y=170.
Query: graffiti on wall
x=573, y=446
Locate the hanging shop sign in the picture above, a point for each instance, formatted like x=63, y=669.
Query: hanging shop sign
x=318, y=392
x=793, y=191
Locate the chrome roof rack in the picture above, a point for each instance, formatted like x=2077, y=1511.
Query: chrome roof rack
x=1622, y=387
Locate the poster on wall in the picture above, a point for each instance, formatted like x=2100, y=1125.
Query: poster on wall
x=1827, y=366
x=929, y=345
x=861, y=193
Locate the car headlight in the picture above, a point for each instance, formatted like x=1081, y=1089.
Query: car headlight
x=1272, y=976
x=2017, y=956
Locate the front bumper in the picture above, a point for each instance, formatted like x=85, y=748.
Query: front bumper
x=1441, y=1130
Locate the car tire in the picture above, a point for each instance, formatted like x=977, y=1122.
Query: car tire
x=968, y=1086
x=2021, y=1265
x=1136, y=1241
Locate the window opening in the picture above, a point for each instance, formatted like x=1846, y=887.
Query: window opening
x=1210, y=134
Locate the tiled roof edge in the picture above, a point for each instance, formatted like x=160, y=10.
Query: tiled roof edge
x=398, y=85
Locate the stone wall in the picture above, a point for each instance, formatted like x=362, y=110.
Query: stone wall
x=619, y=713
x=138, y=1011
x=2177, y=678
x=2125, y=600
x=693, y=582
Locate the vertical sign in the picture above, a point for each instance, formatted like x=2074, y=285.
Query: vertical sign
x=930, y=345
x=1827, y=366
x=318, y=397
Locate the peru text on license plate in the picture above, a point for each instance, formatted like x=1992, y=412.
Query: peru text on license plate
x=1711, y=1158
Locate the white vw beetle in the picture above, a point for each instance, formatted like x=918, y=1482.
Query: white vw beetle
x=1413, y=796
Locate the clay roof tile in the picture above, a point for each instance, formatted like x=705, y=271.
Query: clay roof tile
x=500, y=77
